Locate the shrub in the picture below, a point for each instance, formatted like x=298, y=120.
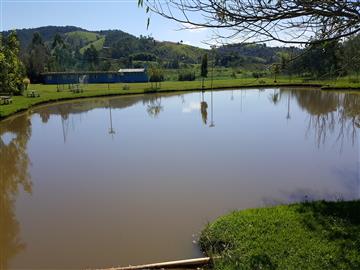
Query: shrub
x=258, y=75
x=354, y=80
x=187, y=76
x=26, y=82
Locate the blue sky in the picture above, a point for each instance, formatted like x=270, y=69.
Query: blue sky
x=95, y=15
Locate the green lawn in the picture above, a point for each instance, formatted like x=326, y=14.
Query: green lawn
x=316, y=235
x=48, y=93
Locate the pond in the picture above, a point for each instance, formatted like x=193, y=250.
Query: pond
x=130, y=180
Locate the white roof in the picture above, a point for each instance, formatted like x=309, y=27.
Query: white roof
x=131, y=70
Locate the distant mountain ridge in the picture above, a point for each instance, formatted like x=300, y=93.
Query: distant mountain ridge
x=126, y=50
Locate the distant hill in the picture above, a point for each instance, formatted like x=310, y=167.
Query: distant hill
x=46, y=32
x=114, y=44
x=120, y=49
x=251, y=54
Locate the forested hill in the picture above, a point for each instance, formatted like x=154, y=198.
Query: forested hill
x=114, y=45
x=70, y=48
x=47, y=33
x=252, y=54
x=126, y=48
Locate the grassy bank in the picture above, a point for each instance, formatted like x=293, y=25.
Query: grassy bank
x=316, y=235
x=48, y=93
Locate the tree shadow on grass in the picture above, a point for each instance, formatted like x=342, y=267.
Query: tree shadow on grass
x=327, y=214
x=338, y=223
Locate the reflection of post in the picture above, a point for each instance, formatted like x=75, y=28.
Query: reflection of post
x=241, y=95
x=212, y=111
x=63, y=129
x=111, y=130
x=288, y=111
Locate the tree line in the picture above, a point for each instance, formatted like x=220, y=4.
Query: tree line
x=58, y=56
x=329, y=59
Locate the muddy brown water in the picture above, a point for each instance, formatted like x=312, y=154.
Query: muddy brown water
x=133, y=180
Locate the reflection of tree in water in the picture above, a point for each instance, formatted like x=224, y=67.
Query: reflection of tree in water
x=153, y=105
x=302, y=195
x=275, y=97
x=203, y=110
x=14, y=174
x=329, y=113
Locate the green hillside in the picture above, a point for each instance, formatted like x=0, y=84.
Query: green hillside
x=83, y=35
x=79, y=49
x=180, y=51
x=98, y=44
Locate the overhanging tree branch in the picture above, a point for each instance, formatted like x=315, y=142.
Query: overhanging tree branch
x=286, y=21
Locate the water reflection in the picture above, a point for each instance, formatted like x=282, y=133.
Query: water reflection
x=288, y=116
x=111, y=129
x=275, y=97
x=153, y=105
x=212, y=123
x=258, y=154
x=14, y=175
x=203, y=109
x=329, y=113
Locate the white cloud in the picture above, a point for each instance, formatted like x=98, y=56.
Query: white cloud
x=192, y=28
x=193, y=106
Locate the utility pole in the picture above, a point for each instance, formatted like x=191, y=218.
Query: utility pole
x=213, y=47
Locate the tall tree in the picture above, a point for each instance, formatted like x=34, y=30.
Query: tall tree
x=12, y=69
x=3, y=65
x=61, y=55
x=156, y=76
x=350, y=56
x=91, y=57
x=204, y=69
x=38, y=58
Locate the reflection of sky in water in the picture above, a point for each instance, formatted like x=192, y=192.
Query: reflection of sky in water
x=7, y=137
x=164, y=173
x=190, y=107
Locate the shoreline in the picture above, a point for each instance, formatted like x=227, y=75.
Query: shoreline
x=120, y=92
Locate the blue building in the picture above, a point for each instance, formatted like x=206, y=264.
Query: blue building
x=121, y=76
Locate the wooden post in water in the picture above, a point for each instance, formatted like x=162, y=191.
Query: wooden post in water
x=165, y=265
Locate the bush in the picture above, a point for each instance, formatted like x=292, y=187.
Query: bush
x=26, y=82
x=354, y=80
x=188, y=76
x=258, y=75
